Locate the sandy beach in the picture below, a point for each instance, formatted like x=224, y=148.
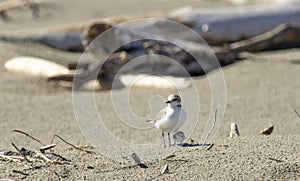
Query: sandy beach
x=261, y=90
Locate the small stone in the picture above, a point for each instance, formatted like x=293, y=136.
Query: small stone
x=234, y=131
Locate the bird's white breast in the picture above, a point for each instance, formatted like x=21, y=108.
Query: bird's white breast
x=172, y=121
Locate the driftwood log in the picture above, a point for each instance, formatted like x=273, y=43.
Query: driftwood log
x=70, y=37
x=259, y=28
x=226, y=25
x=67, y=37
x=283, y=36
x=216, y=26
x=17, y=4
x=183, y=52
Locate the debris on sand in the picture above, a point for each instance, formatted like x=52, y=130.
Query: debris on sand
x=24, y=154
x=234, y=131
x=138, y=161
x=178, y=137
x=267, y=131
x=165, y=169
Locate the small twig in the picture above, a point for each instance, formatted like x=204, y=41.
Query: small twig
x=34, y=167
x=22, y=132
x=41, y=155
x=210, y=146
x=20, y=172
x=170, y=156
x=276, y=160
x=10, y=158
x=47, y=147
x=297, y=113
x=20, y=152
x=76, y=147
x=212, y=128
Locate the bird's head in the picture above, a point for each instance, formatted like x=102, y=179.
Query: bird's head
x=174, y=100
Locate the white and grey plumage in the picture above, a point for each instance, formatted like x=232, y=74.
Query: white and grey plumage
x=171, y=118
x=178, y=137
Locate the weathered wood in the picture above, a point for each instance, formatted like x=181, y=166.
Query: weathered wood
x=216, y=26
x=70, y=37
x=283, y=36
x=225, y=25
x=163, y=57
x=67, y=37
x=17, y=4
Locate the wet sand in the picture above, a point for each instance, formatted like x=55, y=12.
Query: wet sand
x=261, y=90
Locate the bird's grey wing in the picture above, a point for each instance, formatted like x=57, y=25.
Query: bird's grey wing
x=158, y=116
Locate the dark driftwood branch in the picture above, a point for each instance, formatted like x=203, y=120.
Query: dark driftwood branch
x=22, y=132
x=283, y=36
x=276, y=160
x=20, y=172
x=76, y=147
x=20, y=152
x=210, y=146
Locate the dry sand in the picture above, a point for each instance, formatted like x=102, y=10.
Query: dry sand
x=262, y=90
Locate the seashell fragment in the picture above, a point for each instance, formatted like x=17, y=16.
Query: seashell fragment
x=165, y=169
x=267, y=131
x=234, y=131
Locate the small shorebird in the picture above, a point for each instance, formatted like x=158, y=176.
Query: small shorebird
x=171, y=118
x=178, y=137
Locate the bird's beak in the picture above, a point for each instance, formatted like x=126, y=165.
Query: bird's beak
x=168, y=102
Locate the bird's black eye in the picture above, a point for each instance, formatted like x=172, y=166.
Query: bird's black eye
x=175, y=99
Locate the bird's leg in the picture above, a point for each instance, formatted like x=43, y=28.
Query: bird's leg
x=163, y=137
x=169, y=139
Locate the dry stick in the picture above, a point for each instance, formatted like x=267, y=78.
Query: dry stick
x=10, y=158
x=76, y=147
x=212, y=128
x=41, y=155
x=210, y=146
x=47, y=147
x=20, y=152
x=20, y=172
x=274, y=159
x=297, y=113
x=22, y=132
